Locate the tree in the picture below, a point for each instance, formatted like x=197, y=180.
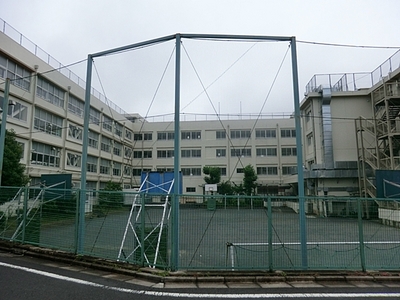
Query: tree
x=213, y=174
x=13, y=173
x=111, y=196
x=249, y=180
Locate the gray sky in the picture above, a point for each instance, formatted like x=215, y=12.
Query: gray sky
x=241, y=75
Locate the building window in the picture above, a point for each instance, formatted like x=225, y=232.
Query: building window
x=75, y=132
x=50, y=92
x=105, y=166
x=240, y=134
x=191, y=135
x=223, y=171
x=45, y=155
x=191, y=153
x=76, y=106
x=246, y=152
x=265, y=133
x=143, y=136
x=147, y=154
x=105, y=144
x=309, y=139
x=116, y=168
x=138, y=171
x=93, y=140
x=118, y=129
x=159, y=169
x=94, y=116
x=128, y=134
x=261, y=152
x=163, y=136
x=289, y=170
x=190, y=189
x=107, y=123
x=288, y=133
x=47, y=122
x=165, y=153
x=128, y=153
x=74, y=160
x=117, y=149
x=148, y=136
x=19, y=76
x=92, y=164
x=17, y=111
x=127, y=171
x=289, y=151
x=267, y=170
x=191, y=171
x=220, y=152
x=308, y=115
x=239, y=170
x=137, y=154
x=220, y=134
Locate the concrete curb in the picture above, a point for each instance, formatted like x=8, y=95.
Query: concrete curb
x=160, y=276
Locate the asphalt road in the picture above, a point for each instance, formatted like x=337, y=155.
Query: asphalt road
x=23, y=277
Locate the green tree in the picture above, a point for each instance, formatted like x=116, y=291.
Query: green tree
x=225, y=188
x=13, y=173
x=111, y=196
x=213, y=174
x=249, y=180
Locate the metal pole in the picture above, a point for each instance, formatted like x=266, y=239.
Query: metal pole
x=3, y=125
x=361, y=234
x=82, y=194
x=270, y=248
x=175, y=204
x=300, y=171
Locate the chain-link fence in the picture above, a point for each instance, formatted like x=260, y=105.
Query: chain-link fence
x=214, y=232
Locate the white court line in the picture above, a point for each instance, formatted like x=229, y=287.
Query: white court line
x=204, y=296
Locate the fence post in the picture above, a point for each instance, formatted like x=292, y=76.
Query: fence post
x=78, y=195
x=361, y=234
x=269, y=207
x=25, y=210
x=142, y=229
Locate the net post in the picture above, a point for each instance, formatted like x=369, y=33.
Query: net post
x=269, y=214
x=361, y=234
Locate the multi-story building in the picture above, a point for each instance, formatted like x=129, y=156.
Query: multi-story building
x=48, y=116
x=350, y=131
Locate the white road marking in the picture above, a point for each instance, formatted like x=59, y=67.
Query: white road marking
x=204, y=296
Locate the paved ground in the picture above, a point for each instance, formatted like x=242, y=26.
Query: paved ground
x=204, y=235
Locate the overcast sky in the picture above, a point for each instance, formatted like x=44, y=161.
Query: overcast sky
x=239, y=77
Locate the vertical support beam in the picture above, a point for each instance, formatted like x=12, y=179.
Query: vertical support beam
x=3, y=125
x=25, y=211
x=142, y=228
x=300, y=171
x=270, y=249
x=361, y=233
x=175, y=203
x=82, y=194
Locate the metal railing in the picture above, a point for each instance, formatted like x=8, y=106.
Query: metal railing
x=344, y=82
x=23, y=41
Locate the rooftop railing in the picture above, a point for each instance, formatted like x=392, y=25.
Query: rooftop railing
x=23, y=41
x=346, y=82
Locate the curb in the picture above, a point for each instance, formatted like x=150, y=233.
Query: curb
x=161, y=276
